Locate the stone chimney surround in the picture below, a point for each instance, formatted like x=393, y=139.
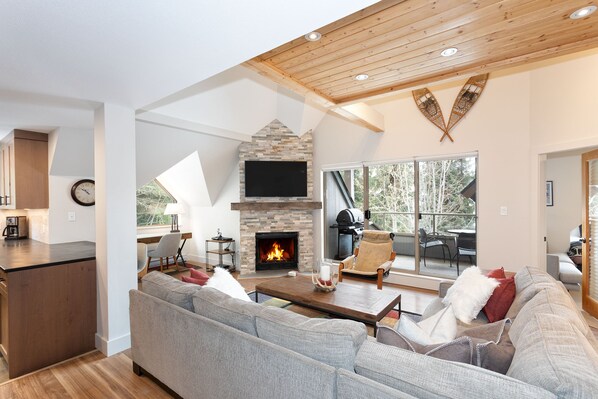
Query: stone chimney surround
x=276, y=142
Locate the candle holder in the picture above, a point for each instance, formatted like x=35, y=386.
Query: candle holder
x=321, y=285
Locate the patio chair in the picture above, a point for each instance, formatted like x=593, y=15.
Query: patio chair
x=428, y=241
x=466, y=246
x=372, y=259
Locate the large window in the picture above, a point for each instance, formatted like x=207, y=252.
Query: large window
x=430, y=205
x=151, y=203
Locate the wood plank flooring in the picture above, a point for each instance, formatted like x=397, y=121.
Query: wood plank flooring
x=92, y=375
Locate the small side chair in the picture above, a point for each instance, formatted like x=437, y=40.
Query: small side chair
x=167, y=247
x=373, y=258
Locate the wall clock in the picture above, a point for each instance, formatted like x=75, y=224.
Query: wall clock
x=84, y=192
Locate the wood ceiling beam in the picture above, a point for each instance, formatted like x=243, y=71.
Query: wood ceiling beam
x=360, y=114
x=284, y=79
x=363, y=115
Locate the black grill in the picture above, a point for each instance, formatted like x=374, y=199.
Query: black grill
x=349, y=225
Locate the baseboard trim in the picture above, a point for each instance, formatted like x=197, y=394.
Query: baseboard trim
x=114, y=346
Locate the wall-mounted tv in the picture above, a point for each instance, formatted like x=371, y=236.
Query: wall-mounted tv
x=275, y=179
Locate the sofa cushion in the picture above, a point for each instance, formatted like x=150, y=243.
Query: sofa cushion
x=169, y=289
x=568, y=272
x=528, y=282
x=436, y=329
x=223, y=281
x=493, y=350
x=553, y=354
x=331, y=341
x=457, y=350
x=218, y=306
x=501, y=299
x=192, y=280
x=353, y=386
x=470, y=293
x=553, y=301
x=427, y=377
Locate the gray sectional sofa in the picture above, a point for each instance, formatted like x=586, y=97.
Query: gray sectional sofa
x=562, y=268
x=201, y=343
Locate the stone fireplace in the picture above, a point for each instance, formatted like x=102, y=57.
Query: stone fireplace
x=276, y=142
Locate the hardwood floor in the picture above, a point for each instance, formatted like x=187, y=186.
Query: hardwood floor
x=92, y=375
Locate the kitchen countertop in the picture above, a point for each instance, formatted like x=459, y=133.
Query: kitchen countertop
x=27, y=254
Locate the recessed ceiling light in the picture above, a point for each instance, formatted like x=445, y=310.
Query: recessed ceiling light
x=362, y=76
x=447, y=52
x=313, y=36
x=582, y=12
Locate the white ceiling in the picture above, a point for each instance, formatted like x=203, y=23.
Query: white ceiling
x=137, y=52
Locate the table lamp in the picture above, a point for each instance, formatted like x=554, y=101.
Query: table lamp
x=174, y=209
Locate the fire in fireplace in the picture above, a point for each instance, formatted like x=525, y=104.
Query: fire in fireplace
x=276, y=250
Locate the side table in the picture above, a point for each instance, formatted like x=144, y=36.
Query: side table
x=229, y=249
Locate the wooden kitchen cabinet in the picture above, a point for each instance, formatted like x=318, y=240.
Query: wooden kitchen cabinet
x=47, y=315
x=24, y=170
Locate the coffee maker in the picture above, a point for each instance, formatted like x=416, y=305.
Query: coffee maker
x=16, y=228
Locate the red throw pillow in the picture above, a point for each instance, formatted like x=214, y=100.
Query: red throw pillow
x=499, y=303
x=194, y=280
x=199, y=274
x=496, y=273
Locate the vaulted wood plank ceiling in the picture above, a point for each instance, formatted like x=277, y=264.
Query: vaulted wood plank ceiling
x=398, y=44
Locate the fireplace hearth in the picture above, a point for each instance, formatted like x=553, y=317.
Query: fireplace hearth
x=276, y=250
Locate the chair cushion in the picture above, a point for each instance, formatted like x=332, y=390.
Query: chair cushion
x=372, y=255
x=331, y=341
x=169, y=289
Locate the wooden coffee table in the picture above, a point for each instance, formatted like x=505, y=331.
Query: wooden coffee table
x=355, y=300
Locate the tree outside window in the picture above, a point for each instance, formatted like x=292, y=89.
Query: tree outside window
x=151, y=203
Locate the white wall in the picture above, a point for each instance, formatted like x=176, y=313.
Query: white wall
x=565, y=172
x=206, y=220
x=59, y=227
x=563, y=117
x=497, y=127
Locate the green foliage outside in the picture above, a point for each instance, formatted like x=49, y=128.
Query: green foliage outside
x=443, y=207
x=151, y=203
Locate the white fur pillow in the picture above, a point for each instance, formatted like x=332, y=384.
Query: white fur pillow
x=469, y=294
x=436, y=329
x=224, y=282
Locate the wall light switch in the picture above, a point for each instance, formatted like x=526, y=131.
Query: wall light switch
x=71, y=217
x=503, y=211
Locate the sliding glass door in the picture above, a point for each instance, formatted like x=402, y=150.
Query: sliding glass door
x=430, y=206
x=392, y=203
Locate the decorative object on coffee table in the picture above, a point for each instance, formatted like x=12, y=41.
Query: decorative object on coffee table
x=323, y=280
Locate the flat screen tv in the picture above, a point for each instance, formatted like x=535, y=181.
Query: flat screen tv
x=275, y=179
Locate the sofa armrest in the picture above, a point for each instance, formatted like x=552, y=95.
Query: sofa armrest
x=552, y=265
x=443, y=287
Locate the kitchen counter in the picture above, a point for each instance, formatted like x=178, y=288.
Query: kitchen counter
x=47, y=303
x=28, y=254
